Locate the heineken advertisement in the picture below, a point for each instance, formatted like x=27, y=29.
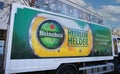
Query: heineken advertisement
x=50, y=34
x=38, y=34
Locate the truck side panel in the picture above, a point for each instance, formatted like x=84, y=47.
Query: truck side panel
x=38, y=34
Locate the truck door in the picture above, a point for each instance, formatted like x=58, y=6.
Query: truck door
x=116, y=42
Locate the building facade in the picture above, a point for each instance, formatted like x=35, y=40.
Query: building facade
x=69, y=8
x=65, y=7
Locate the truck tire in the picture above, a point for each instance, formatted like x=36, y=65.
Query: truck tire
x=67, y=69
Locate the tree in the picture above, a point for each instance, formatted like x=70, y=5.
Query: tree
x=5, y=13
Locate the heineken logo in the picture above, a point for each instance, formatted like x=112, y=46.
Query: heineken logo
x=50, y=34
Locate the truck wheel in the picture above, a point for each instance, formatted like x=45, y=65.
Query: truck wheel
x=67, y=69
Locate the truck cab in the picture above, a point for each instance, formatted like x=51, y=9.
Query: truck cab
x=116, y=45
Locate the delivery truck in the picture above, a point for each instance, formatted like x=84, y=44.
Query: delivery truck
x=39, y=40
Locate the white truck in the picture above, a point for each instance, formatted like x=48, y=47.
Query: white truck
x=39, y=40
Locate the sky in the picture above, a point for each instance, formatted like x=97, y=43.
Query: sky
x=108, y=9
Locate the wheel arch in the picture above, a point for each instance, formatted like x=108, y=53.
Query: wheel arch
x=65, y=65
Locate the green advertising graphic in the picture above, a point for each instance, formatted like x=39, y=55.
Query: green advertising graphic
x=51, y=34
x=102, y=40
x=38, y=36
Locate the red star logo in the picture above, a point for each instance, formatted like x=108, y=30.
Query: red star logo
x=52, y=26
